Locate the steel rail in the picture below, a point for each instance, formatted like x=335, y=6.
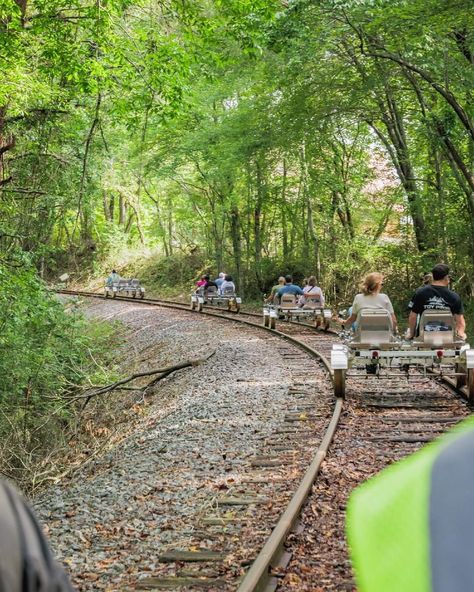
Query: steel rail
x=451, y=385
x=183, y=306
x=258, y=577
x=211, y=313
x=205, y=306
x=252, y=314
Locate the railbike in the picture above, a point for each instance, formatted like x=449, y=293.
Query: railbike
x=123, y=287
x=374, y=350
x=289, y=310
x=227, y=298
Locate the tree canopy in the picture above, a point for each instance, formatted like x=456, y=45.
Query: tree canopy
x=301, y=135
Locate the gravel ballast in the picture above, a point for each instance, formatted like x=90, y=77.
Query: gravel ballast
x=147, y=495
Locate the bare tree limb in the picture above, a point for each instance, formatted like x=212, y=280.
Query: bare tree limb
x=163, y=372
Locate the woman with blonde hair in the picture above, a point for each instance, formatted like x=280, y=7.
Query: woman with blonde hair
x=281, y=283
x=371, y=297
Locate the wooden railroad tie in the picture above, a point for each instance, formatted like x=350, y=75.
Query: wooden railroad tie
x=174, y=582
x=190, y=556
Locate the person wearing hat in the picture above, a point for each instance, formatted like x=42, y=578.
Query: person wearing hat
x=437, y=296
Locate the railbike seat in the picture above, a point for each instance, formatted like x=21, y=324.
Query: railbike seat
x=312, y=301
x=374, y=329
x=288, y=301
x=436, y=329
x=228, y=292
x=129, y=287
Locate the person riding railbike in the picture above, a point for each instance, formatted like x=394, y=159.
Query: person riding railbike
x=209, y=283
x=271, y=298
x=289, y=288
x=113, y=278
x=437, y=296
x=312, y=288
x=200, y=283
x=371, y=297
x=227, y=284
x=220, y=279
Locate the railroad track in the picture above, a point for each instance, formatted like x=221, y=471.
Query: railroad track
x=381, y=422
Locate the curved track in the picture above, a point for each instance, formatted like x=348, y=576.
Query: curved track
x=382, y=423
x=301, y=335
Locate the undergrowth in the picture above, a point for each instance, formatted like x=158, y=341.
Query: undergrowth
x=48, y=354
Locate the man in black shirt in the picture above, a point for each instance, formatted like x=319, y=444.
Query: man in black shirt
x=437, y=296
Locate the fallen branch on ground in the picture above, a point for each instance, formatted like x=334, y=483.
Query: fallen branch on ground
x=163, y=372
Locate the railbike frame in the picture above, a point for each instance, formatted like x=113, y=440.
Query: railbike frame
x=376, y=350
x=198, y=299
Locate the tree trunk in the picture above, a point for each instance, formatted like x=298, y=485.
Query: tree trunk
x=402, y=164
x=122, y=210
x=257, y=228
x=284, y=226
x=459, y=168
x=83, y=213
x=236, y=246
x=106, y=206
x=170, y=226
x=7, y=142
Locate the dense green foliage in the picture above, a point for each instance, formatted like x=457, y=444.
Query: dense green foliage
x=267, y=136
x=256, y=136
x=46, y=354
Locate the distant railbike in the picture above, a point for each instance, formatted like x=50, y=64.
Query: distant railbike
x=212, y=296
x=374, y=349
x=122, y=287
x=289, y=310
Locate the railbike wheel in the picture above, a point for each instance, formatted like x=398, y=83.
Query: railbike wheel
x=134, y=295
x=326, y=326
x=114, y=294
x=106, y=294
x=266, y=320
x=229, y=306
x=272, y=322
x=462, y=379
x=237, y=307
x=470, y=384
x=317, y=322
x=192, y=305
x=339, y=380
x=339, y=383
x=199, y=307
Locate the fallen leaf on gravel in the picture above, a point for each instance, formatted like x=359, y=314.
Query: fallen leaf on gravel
x=292, y=580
